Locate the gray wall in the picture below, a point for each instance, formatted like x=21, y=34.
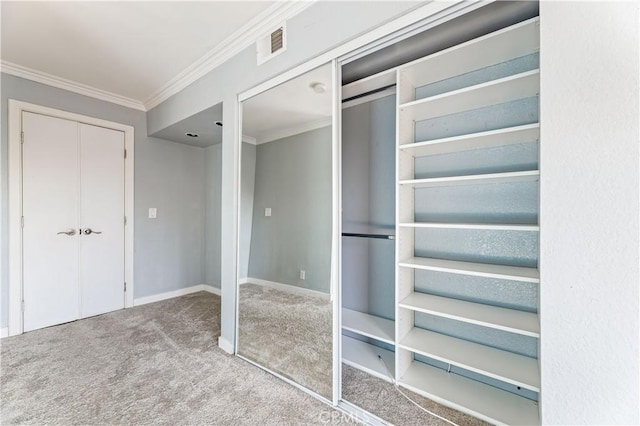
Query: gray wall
x=368, y=205
x=212, y=212
x=293, y=178
x=168, y=250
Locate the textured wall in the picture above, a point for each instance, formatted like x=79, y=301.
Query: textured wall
x=589, y=212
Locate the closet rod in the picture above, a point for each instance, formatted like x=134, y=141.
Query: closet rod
x=378, y=236
x=369, y=93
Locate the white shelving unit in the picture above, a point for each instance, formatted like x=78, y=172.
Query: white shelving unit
x=500, y=137
x=526, y=176
x=494, y=404
x=510, y=320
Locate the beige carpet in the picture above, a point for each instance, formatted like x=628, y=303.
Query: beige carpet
x=153, y=364
x=382, y=399
x=290, y=334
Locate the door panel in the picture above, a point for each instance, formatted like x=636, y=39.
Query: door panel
x=50, y=205
x=102, y=210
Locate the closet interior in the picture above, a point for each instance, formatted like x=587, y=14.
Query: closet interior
x=440, y=227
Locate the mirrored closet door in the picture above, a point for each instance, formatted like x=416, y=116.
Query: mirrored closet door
x=285, y=312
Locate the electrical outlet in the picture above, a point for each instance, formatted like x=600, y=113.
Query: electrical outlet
x=153, y=212
x=267, y=211
x=303, y=274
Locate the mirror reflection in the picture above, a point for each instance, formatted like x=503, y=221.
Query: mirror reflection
x=285, y=304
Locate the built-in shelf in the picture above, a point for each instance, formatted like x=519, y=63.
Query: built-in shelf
x=488, y=270
x=368, y=325
x=469, y=396
x=519, y=86
x=488, y=365
x=488, y=139
x=504, y=319
x=474, y=226
x=511, y=368
x=368, y=358
x=524, y=176
x=500, y=46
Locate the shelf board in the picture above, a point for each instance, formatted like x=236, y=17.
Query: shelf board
x=494, y=92
x=508, y=43
x=504, y=319
x=524, y=176
x=491, y=138
x=514, y=273
x=364, y=356
x=369, y=84
x=475, y=226
x=512, y=368
x=368, y=325
x=469, y=396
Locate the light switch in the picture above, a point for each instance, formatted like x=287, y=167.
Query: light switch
x=267, y=211
x=153, y=212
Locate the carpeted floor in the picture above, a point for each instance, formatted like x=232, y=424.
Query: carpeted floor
x=288, y=333
x=153, y=364
x=382, y=399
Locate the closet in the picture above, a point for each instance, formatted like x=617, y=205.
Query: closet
x=441, y=294
x=368, y=234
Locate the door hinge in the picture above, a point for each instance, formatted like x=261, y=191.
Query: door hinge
x=125, y=287
x=22, y=222
x=23, y=306
x=21, y=137
x=125, y=153
x=125, y=221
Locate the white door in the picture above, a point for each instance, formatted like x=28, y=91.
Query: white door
x=50, y=208
x=73, y=179
x=101, y=220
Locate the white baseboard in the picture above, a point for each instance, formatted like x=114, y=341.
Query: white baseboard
x=176, y=293
x=4, y=332
x=286, y=288
x=225, y=345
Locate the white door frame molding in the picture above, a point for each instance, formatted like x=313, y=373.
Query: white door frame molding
x=16, y=108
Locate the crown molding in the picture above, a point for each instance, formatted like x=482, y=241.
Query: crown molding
x=71, y=86
x=232, y=45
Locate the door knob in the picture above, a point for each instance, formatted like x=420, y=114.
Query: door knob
x=70, y=232
x=89, y=231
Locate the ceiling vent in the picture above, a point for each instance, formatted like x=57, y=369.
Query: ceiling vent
x=272, y=44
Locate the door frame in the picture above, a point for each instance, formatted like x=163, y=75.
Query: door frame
x=16, y=108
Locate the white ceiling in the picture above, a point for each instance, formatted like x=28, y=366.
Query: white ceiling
x=130, y=49
x=289, y=108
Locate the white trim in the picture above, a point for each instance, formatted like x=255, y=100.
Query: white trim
x=70, y=85
x=15, y=201
x=4, y=332
x=176, y=293
x=288, y=288
x=280, y=133
x=287, y=380
x=225, y=345
x=336, y=229
x=244, y=37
